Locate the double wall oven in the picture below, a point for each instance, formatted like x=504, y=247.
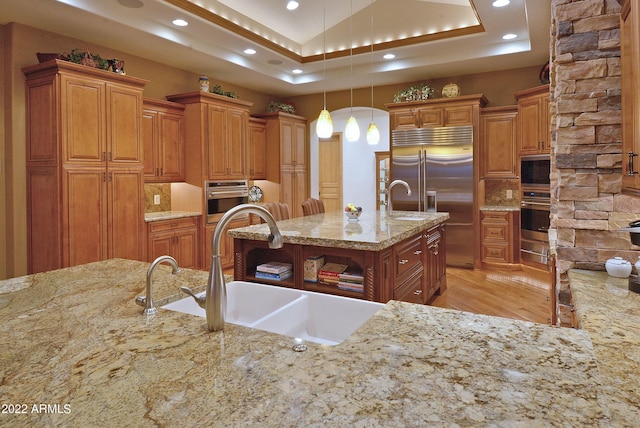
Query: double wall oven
x=535, y=206
x=221, y=196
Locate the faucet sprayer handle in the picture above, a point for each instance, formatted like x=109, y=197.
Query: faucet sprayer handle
x=199, y=300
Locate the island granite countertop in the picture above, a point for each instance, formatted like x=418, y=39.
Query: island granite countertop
x=74, y=341
x=374, y=231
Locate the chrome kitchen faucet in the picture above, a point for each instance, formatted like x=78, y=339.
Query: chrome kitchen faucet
x=393, y=183
x=147, y=301
x=214, y=302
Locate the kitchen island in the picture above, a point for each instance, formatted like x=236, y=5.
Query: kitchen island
x=400, y=257
x=76, y=351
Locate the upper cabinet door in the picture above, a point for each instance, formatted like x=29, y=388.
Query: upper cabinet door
x=498, y=135
x=217, y=142
x=534, y=134
x=237, y=121
x=83, y=126
x=124, y=125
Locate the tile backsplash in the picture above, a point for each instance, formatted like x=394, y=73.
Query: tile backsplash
x=496, y=193
x=163, y=190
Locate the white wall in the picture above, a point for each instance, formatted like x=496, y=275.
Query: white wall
x=358, y=158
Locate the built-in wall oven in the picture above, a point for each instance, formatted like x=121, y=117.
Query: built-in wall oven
x=534, y=226
x=221, y=196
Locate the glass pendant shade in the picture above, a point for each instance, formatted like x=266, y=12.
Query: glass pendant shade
x=373, y=134
x=352, y=130
x=324, y=125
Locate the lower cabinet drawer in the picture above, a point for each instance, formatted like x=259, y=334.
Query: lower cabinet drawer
x=408, y=255
x=411, y=290
x=495, y=253
x=172, y=224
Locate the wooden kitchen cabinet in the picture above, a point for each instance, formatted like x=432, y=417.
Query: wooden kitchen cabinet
x=163, y=132
x=498, y=137
x=84, y=165
x=434, y=113
x=177, y=238
x=630, y=58
x=256, y=149
x=436, y=261
x=411, y=270
x=215, y=139
x=534, y=132
x=499, y=232
x=286, y=157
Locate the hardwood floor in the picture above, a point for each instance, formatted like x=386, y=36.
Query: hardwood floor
x=521, y=295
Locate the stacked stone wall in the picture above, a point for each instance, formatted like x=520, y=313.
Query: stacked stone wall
x=588, y=208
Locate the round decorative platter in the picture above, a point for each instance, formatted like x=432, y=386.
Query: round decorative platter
x=255, y=194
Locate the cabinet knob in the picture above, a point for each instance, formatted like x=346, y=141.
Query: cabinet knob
x=417, y=292
x=417, y=252
x=403, y=261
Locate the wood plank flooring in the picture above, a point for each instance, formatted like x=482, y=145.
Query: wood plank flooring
x=521, y=295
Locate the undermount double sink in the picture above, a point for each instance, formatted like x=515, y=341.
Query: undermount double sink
x=309, y=316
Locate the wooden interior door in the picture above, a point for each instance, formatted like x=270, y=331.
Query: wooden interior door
x=330, y=172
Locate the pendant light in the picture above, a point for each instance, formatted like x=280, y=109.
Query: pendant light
x=373, y=134
x=352, y=130
x=324, y=124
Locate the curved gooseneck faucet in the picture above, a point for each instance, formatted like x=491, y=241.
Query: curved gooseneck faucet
x=393, y=183
x=214, y=302
x=147, y=301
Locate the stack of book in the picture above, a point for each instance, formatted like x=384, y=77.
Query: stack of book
x=328, y=274
x=274, y=271
x=351, y=281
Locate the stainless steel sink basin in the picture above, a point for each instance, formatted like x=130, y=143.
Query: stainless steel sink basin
x=313, y=317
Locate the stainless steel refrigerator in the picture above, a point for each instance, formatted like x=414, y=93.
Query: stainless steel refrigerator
x=438, y=160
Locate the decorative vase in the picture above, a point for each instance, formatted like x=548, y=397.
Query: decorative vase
x=618, y=267
x=203, y=81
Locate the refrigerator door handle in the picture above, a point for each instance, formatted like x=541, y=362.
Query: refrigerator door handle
x=424, y=179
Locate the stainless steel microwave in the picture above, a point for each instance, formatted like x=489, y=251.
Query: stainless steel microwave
x=535, y=171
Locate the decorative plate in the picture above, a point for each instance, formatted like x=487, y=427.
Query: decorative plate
x=255, y=194
x=451, y=90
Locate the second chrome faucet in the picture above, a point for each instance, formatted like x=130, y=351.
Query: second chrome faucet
x=393, y=183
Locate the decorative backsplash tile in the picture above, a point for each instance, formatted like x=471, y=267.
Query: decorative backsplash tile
x=163, y=190
x=496, y=193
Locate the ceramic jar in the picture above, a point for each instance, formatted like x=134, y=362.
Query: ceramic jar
x=618, y=267
x=203, y=81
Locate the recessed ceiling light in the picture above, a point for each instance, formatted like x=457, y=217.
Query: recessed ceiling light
x=500, y=3
x=134, y=4
x=296, y=71
x=509, y=36
x=389, y=56
x=292, y=5
x=250, y=51
x=180, y=22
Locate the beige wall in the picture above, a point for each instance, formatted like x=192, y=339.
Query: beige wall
x=21, y=43
x=498, y=87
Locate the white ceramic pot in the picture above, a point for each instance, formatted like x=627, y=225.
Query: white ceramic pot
x=618, y=267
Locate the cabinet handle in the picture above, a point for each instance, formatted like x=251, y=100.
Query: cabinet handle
x=104, y=156
x=417, y=292
x=104, y=177
x=417, y=252
x=631, y=172
x=403, y=261
x=110, y=177
x=161, y=171
x=110, y=156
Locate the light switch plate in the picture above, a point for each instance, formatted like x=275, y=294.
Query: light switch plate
x=509, y=194
x=156, y=199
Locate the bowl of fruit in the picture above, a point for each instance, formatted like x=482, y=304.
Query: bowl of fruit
x=352, y=212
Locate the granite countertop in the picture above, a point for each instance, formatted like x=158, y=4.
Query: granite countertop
x=169, y=215
x=499, y=208
x=611, y=314
x=75, y=340
x=374, y=231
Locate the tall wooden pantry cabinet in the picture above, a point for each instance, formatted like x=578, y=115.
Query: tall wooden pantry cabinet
x=84, y=165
